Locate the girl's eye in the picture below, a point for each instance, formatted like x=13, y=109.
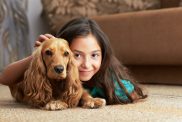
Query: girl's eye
x=48, y=52
x=76, y=55
x=95, y=55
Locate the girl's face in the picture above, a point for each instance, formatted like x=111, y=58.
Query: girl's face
x=87, y=53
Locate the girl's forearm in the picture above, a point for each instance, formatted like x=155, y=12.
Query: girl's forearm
x=14, y=71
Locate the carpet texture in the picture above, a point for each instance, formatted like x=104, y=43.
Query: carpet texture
x=164, y=104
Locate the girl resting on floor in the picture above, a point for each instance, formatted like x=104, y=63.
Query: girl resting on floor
x=99, y=70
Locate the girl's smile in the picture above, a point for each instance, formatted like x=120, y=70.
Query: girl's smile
x=85, y=73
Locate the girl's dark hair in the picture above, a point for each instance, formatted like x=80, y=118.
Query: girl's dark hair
x=111, y=69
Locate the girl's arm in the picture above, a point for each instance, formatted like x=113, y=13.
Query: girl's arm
x=14, y=71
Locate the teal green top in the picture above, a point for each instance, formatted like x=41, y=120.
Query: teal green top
x=98, y=92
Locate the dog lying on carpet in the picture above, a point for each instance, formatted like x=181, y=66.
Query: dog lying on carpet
x=52, y=80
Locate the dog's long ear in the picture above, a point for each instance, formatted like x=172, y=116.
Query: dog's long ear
x=36, y=86
x=72, y=71
x=73, y=83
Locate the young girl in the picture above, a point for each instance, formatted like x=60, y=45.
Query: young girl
x=99, y=70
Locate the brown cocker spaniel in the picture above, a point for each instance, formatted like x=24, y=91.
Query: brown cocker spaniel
x=52, y=80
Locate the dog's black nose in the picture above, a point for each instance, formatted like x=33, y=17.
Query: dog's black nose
x=59, y=69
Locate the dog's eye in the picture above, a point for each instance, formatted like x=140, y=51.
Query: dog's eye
x=66, y=53
x=48, y=52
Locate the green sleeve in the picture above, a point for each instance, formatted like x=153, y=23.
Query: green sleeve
x=120, y=92
x=98, y=92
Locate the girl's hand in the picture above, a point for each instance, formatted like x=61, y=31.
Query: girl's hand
x=42, y=38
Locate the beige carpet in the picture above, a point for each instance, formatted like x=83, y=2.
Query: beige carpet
x=163, y=105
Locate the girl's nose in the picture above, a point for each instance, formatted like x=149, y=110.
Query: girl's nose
x=86, y=63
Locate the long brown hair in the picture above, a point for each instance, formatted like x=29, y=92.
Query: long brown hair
x=111, y=69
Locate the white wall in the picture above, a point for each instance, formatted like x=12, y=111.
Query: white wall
x=36, y=24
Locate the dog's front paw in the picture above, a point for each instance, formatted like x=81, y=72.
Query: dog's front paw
x=94, y=103
x=55, y=105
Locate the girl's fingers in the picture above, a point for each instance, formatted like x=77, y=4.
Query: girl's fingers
x=37, y=43
x=42, y=38
x=49, y=36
